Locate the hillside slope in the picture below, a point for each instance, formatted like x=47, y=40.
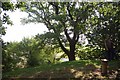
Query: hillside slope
x=83, y=69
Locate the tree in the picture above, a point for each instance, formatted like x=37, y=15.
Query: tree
x=65, y=20
x=30, y=51
x=4, y=19
x=106, y=23
x=10, y=56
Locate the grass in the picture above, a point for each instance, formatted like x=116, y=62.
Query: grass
x=72, y=69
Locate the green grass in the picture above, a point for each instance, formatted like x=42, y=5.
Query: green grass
x=65, y=69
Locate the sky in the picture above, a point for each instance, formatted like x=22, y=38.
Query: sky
x=18, y=31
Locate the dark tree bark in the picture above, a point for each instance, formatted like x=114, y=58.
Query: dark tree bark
x=71, y=56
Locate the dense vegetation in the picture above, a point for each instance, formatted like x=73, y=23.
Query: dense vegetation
x=71, y=25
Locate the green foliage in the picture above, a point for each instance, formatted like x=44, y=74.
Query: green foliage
x=4, y=19
x=95, y=20
x=88, y=53
x=29, y=52
x=106, y=22
x=10, y=56
x=7, y=6
x=63, y=20
x=21, y=5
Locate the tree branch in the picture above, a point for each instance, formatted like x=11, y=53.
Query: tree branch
x=60, y=43
x=67, y=35
x=77, y=38
x=73, y=23
x=55, y=6
x=68, y=9
x=62, y=47
x=74, y=36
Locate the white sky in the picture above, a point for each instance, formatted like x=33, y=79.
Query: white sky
x=17, y=31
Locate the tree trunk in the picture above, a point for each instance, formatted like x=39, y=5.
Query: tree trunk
x=70, y=53
x=71, y=56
